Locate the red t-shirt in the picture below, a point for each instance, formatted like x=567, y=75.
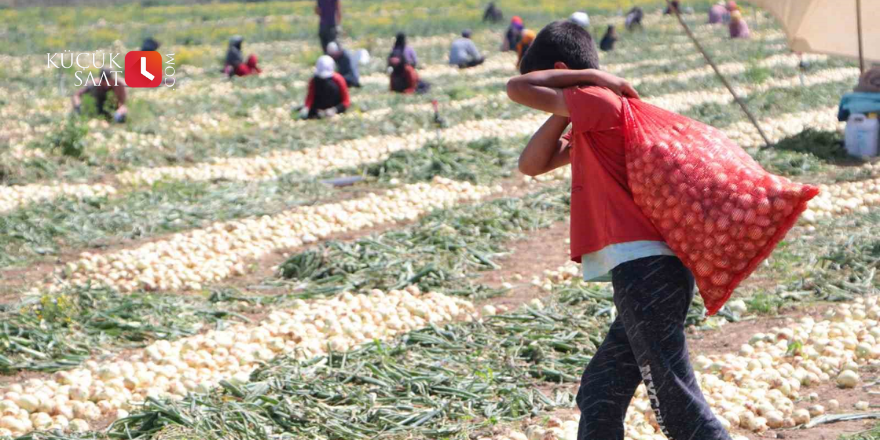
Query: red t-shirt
x=602, y=208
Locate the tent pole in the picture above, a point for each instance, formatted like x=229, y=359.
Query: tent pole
x=859, y=27
x=720, y=75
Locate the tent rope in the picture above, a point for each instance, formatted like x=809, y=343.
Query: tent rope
x=711, y=62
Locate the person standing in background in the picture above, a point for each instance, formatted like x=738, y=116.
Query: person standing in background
x=330, y=12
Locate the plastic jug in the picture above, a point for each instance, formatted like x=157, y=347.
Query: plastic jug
x=862, y=135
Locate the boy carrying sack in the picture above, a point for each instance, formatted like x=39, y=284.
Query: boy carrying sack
x=654, y=196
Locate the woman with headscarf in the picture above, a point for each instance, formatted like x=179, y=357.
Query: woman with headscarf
x=403, y=51
x=580, y=18
x=738, y=26
x=404, y=78
x=519, y=38
x=634, y=18
x=328, y=92
x=718, y=13
x=607, y=43
x=513, y=35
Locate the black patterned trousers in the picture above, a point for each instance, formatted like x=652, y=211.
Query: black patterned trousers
x=646, y=343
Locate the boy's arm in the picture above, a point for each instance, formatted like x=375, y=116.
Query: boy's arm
x=543, y=90
x=546, y=151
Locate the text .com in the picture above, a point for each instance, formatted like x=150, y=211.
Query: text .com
x=143, y=69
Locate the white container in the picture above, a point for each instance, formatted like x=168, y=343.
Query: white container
x=862, y=135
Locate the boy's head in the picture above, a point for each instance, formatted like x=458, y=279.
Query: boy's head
x=561, y=45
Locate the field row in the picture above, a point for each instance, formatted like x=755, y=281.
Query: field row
x=363, y=150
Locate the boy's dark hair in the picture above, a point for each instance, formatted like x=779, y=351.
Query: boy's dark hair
x=561, y=41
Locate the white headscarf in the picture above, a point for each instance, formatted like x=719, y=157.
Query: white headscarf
x=580, y=18
x=325, y=67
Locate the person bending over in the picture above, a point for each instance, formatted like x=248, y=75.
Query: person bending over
x=107, y=82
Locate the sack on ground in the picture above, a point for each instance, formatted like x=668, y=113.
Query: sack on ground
x=715, y=206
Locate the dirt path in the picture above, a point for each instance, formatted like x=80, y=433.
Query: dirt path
x=545, y=249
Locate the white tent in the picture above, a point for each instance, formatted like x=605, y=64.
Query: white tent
x=831, y=27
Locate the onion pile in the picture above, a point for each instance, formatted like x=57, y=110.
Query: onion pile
x=186, y=260
x=345, y=154
x=70, y=400
x=12, y=197
x=844, y=198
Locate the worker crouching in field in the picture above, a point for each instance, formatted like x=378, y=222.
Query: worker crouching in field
x=738, y=26
x=346, y=64
x=108, y=82
x=403, y=51
x=235, y=63
x=609, y=233
x=404, y=78
x=150, y=44
x=634, y=19
x=492, y=14
x=328, y=92
x=608, y=40
x=464, y=52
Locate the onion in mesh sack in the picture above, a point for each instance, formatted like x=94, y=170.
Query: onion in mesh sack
x=715, y=206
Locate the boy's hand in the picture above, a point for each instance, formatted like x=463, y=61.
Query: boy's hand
x=616, y=84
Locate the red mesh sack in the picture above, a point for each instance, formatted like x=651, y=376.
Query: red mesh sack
x=715, y=206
